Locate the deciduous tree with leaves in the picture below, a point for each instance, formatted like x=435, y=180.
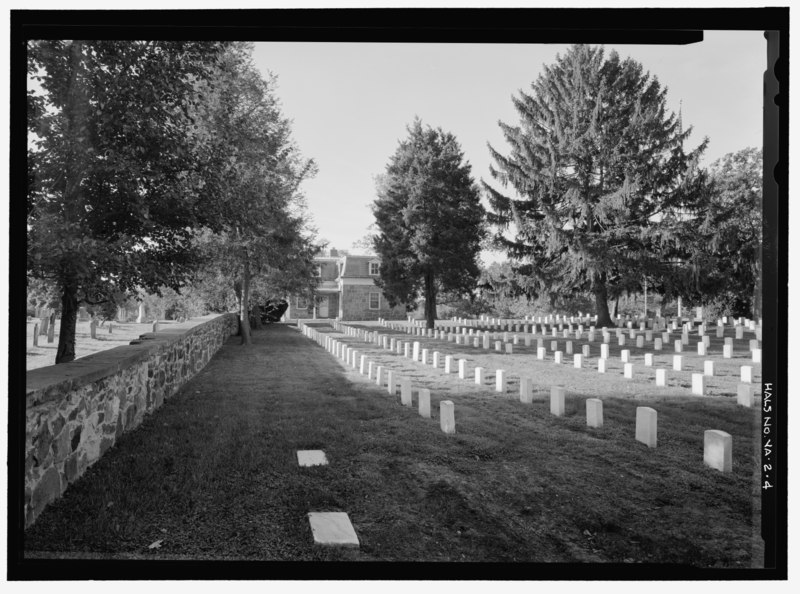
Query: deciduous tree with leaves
x=600, y=180
x=263, y=232
x=430, y=221
x=727, y=234
x=119, y=176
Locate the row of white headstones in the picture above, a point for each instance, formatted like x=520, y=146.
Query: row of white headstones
x=718, y=445
x=745, y=390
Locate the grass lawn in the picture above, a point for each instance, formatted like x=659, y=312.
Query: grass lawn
x=213, y=473
x=121, y=334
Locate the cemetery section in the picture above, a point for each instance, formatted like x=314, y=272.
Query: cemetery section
x=501, y=478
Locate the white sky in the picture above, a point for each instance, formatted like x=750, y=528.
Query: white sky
x=350, y=104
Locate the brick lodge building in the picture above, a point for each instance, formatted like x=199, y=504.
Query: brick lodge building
x=346, y=291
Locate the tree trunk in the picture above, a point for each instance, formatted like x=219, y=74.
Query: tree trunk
x=69, y=316
x=237, y=290
x=430, y=299
x=601, y=305
x=255, y=318
x=757, y=296
x=244, y=310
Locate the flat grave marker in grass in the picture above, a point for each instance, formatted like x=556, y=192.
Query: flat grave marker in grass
x=311, y=458
x=332, y=529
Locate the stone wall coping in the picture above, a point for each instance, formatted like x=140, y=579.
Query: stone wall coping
x=47, y=384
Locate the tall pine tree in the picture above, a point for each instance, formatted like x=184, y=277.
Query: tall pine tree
x=430, y=221
x=601, y=180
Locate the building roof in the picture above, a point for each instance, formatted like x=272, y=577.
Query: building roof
x=358, y=266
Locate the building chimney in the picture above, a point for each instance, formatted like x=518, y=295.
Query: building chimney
x=334, y=253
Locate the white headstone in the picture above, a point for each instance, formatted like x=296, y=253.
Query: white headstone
x=661, y=377
x=677, y=362
x=526, y=390
x=390, y=382
x=678, y=346
x=648, y=359
x=405, y=392
x=558, y=357
x=604, y=351
x=744, y=395
x=708, y=368
x=447, y=418
x=462, y=369
x=448, y=363
x=479, y=375
x=557, y=401
x=628, y=370
x=577, y=361
x=540, y=353
x=727, y=351
x=718, y=450
x=625, y=355
x=601, y=365
x=435, y=362
x=747, y=374
x=500, y=381
x=647, y=426
x=701, y=349
x=698, y=384
x=424, y=396
x=594, y=412
x=756, y=355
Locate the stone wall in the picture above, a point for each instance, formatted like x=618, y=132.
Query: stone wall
x=76, y=411
x=355, y=300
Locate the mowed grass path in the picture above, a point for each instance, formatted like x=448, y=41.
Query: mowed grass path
x=213, y=473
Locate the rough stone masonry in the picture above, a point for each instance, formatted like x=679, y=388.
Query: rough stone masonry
x=76, y=411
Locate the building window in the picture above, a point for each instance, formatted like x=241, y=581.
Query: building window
x=374, y=300
x=374, y=268
x=302, y=303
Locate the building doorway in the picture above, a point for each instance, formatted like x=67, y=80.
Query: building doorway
x=322, y=308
